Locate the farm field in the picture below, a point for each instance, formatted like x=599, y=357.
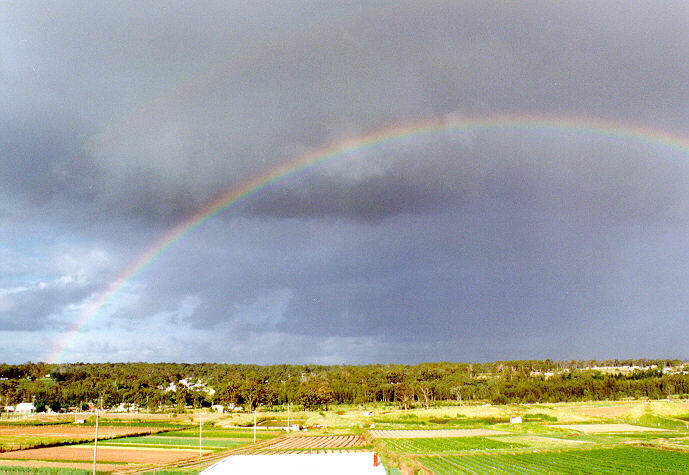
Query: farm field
x=56, y=468
x=301, y=443
x=105, y=454
x=223, y=433
x=13, y=437
x=604, y=428
x=554, y=438
x=446, y=444
x=566, y=440
x=414, y=434
x=125, y=444
x=214, y=440
x=174, y=443
x=614, y=460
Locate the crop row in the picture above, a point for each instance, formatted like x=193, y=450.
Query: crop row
x=448, y=444
x=311, y=442
x=615, y=460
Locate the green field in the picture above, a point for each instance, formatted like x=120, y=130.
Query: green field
x=43, y=470
x=19, y=442
x=614, y=460
x=447, y=444
x=222, y=433
x=173, y=443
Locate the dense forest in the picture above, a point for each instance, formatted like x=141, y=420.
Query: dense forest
x=178, y=386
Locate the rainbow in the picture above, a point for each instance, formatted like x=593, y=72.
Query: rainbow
x=347, y=148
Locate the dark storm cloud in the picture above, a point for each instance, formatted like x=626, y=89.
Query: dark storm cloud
x=119, y=120
x=177, y=105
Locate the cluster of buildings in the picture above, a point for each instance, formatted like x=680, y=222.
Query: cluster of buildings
x=190, y=385
x=21, y=408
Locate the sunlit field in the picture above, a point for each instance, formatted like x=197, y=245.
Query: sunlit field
x=605, y=437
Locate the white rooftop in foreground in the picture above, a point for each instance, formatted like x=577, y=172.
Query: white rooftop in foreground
x=332, y=464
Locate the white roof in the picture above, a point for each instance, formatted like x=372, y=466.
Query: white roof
x=25, y=405
x=339, y=463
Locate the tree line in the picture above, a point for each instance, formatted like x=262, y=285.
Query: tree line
x=148, y=385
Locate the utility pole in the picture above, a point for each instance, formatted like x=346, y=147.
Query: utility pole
x=288, y=426
x=254, y=426
x=95, y=444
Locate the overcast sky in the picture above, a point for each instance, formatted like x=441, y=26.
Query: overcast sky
x=119, y=120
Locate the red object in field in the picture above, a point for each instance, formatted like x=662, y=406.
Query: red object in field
x=375, y=459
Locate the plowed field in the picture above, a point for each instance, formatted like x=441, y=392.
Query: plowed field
x=317, y=442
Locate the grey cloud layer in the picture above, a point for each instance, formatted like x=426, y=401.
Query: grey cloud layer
x=173, y=107
x=118, y=120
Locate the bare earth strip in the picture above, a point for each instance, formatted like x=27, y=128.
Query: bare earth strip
x=104, y=454
x=603, y=411
x=599, y=428
x=425, y=434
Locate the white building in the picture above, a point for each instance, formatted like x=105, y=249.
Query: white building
x=339, y=463
x=25, y=408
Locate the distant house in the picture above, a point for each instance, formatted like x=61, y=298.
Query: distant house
x=9, y=409
x=125, y=407
x=516, y=420
x=25, y=408
x=219, y=408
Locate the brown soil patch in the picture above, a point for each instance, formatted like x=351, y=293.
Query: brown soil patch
x=600, y=428
x=605, y=411
x=104, y=454
x=419, y=434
